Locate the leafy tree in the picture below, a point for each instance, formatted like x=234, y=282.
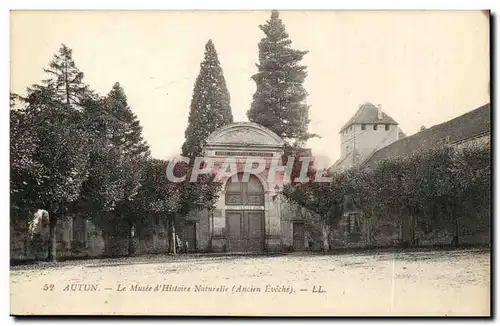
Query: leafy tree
x=161, y=199
x=279, y=101
x=428, y=190
x=210, y=104
x=125, y=211
x=61, y=159
x=23, y=168
x=126, y=134
x=323, y=198
x=117, y=154
x=467, y=193
x=59, y=140
x=22, y=163
x=104, y=185
x=440, y=188
x=187, y=196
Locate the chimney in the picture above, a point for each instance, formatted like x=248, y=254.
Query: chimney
x=379, y=113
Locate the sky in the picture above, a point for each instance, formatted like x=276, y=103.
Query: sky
x=423, y=67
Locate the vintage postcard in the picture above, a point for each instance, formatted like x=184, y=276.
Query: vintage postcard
x=250, y=163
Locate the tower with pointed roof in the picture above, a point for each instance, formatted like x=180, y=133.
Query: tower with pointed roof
x=367, y=131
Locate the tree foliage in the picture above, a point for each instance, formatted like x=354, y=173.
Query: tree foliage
x=64, y=79
x=23, y=166
x=51, y=165
x=279, y=100
x=76, y=152
x=116, y=162
x=440, y=189
x=210, y=104
x=162, y=199
x=58, y=156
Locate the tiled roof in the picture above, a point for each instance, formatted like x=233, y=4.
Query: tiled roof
x=467, y=126
x=368, y=113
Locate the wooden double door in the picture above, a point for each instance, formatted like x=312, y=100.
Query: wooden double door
x=245, y=230
x=245, y=222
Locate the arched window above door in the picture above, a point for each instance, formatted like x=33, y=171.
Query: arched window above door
x=244, y=193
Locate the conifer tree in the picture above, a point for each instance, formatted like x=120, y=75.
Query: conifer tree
x=65, y=80
x=126, y=131
x=210, y=104
x=126, y=134
x=279, y=101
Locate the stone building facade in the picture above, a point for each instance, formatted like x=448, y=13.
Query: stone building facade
x=250, y=215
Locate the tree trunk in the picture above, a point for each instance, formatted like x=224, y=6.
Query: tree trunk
x=454, y=218
x=131, y=249
x=107, y=243
x=66, y=83
x=401, y=231
x=211, y=228
x=368, y=222
x=174, y=237
x=326, y=230
x=52, y=246
x=169, y=235
x=27, y=233
x=412, y=230
x=411, y=213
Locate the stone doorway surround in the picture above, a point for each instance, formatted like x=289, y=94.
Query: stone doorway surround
x=238, y=141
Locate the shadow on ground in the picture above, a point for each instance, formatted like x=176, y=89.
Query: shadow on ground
x=380, y=254
x=97, y=262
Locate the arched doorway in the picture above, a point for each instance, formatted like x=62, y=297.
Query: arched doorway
x=245, y=214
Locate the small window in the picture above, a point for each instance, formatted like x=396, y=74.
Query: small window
x=375, y=127
x=386, y=127
x=363, y=127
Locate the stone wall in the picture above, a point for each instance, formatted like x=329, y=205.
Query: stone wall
x=27, y=245
x=202, y=221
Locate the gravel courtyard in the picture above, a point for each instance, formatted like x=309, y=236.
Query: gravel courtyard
x=388, y=283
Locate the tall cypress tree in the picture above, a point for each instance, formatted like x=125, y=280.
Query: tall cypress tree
x=279, y=101
x=210, y=104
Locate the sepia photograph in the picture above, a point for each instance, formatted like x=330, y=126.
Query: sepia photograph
x=250, y=163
